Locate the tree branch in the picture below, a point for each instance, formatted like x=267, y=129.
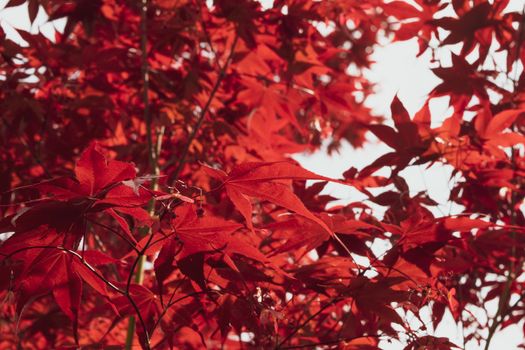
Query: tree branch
x=153, y=152
x=175, y=175
x=303, y=324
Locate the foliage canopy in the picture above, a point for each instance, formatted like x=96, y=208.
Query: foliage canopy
x=149, y=197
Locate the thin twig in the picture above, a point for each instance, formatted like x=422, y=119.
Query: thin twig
x=330, y=342
x=75, y=254
x=296, y=329
x=222, y=73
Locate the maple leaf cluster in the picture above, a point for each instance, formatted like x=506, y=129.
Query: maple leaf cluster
x=148, y=196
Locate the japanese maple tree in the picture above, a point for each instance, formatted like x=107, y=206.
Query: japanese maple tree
x=149, y=198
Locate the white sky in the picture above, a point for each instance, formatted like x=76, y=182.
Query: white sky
x=397, y=70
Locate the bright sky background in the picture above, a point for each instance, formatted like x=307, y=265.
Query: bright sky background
x=397, y=70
